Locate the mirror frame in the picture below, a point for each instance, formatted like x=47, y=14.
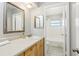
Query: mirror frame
x=5, y=19
x=39, y=23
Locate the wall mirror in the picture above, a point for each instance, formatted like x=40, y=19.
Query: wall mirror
x=38, y=22
x=13, y=18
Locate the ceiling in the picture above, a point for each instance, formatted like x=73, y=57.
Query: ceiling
x=38, y=4
x=45, y=3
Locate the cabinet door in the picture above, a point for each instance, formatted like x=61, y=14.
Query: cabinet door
x=40, y=48
x=22, y=54
x=29, y=52
x=35, y=50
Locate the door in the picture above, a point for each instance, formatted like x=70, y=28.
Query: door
x=74, y=12
x=55, y=31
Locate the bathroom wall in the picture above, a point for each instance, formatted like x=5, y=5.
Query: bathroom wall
x=36, y=12
x=28, y=22
x=13, y=35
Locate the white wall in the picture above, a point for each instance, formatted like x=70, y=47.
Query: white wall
x=36, y=12
x=27, y=23
x=12, y=35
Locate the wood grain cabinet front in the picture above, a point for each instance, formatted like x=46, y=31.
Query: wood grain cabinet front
x=29, y=52
x=35, y=50
x=22, y=54
x=40, y=48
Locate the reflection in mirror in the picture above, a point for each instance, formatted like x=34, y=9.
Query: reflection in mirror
x=14, y=18
x=38, y=22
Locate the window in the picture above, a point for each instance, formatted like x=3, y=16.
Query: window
x=57, y=23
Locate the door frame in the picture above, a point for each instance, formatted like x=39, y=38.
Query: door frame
x=67, y=29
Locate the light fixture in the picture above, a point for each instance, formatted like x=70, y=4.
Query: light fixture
x=29, y=5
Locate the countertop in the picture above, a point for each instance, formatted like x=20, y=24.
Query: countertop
x=17, y=46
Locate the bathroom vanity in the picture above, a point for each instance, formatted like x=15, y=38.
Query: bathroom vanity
x=14, y=22
x=37, y=49
x=32, y=46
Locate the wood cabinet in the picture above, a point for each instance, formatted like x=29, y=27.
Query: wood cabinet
x=40, y=48
x=35, y=50
x=30, y=51
x=22, y=54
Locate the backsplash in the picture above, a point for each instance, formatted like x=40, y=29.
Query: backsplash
x=11, y=36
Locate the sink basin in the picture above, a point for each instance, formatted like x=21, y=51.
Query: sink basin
x=4, y=42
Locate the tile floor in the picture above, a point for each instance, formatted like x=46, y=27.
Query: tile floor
x=52, y=50
x=55, y=51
